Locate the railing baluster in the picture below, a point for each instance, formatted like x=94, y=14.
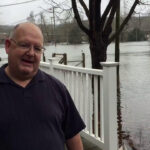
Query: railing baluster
x=96, y=106
x=72, y=84
x=101, y=110
x=58, y=73
x=87, y=105
x=62, y=76
x=68, y=82
x=76, y=90
x=84, y=95
x=79, y=92
x=81, y=95
x=65, y=77
x=90, y=98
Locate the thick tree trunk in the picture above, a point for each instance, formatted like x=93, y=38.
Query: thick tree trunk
x=98, y=53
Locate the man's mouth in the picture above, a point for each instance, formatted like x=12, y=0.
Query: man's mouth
x=26, y=61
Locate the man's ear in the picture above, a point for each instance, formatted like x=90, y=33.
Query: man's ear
x=7, y=45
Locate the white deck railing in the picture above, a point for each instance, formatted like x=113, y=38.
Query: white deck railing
x=94, y=94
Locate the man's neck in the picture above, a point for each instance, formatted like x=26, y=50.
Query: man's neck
x=17, y=80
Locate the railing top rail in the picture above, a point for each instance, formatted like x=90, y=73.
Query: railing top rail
x=75, y=69
x=79, y=69
x=46, y=64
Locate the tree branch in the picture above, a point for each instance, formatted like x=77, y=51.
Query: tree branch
x=145, y=3
x=136, y=2
x=106, y=12
x=78, y=19
x=108, y=28
x=85, y=8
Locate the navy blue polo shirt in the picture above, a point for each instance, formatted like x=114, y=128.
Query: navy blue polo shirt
x=40, y=116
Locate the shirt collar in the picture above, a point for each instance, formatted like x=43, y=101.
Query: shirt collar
x=38, y=77
x=5, y=79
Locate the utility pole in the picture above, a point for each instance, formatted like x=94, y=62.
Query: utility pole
x=52, y=33
x=44, y=23
x=54, y=25
x=41, y=15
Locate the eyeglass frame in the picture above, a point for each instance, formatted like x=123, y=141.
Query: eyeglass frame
x=27, y=46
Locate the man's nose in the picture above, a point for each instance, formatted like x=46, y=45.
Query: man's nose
x=31, y=50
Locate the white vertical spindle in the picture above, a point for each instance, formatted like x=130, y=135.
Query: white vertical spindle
x=87, y=105
x=90, y=97
x=101, y=110
x=96, y=105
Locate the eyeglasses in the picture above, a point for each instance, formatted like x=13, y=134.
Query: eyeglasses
x=27, y=46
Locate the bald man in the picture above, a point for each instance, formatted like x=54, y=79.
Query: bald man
x=36, y=110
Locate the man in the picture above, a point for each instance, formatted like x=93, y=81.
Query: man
x=36, y=110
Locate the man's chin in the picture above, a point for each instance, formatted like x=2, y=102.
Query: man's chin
x=28, y=72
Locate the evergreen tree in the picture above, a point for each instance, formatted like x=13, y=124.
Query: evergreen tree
x=75, y=36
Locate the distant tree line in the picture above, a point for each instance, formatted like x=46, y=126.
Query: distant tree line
x=136, y=35
x=69, y=32
x=66, y=32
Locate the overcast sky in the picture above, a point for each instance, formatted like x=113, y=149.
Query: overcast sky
x=14, y=14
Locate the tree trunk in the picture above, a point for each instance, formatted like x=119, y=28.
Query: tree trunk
x=98, y=52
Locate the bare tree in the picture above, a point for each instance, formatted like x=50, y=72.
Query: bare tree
x=100, y=26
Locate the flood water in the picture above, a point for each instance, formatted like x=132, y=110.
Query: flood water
x=134, y=80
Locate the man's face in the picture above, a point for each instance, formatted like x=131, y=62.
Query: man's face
x=24, y=62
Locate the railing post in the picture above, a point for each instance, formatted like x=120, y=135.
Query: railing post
x=52, y=61
x=110, y=105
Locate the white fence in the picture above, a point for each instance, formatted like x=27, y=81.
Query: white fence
x=94, y=94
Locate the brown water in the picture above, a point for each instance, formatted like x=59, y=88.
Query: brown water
x=135, y=85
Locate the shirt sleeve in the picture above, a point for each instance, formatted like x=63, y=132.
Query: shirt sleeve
x=73, y=122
